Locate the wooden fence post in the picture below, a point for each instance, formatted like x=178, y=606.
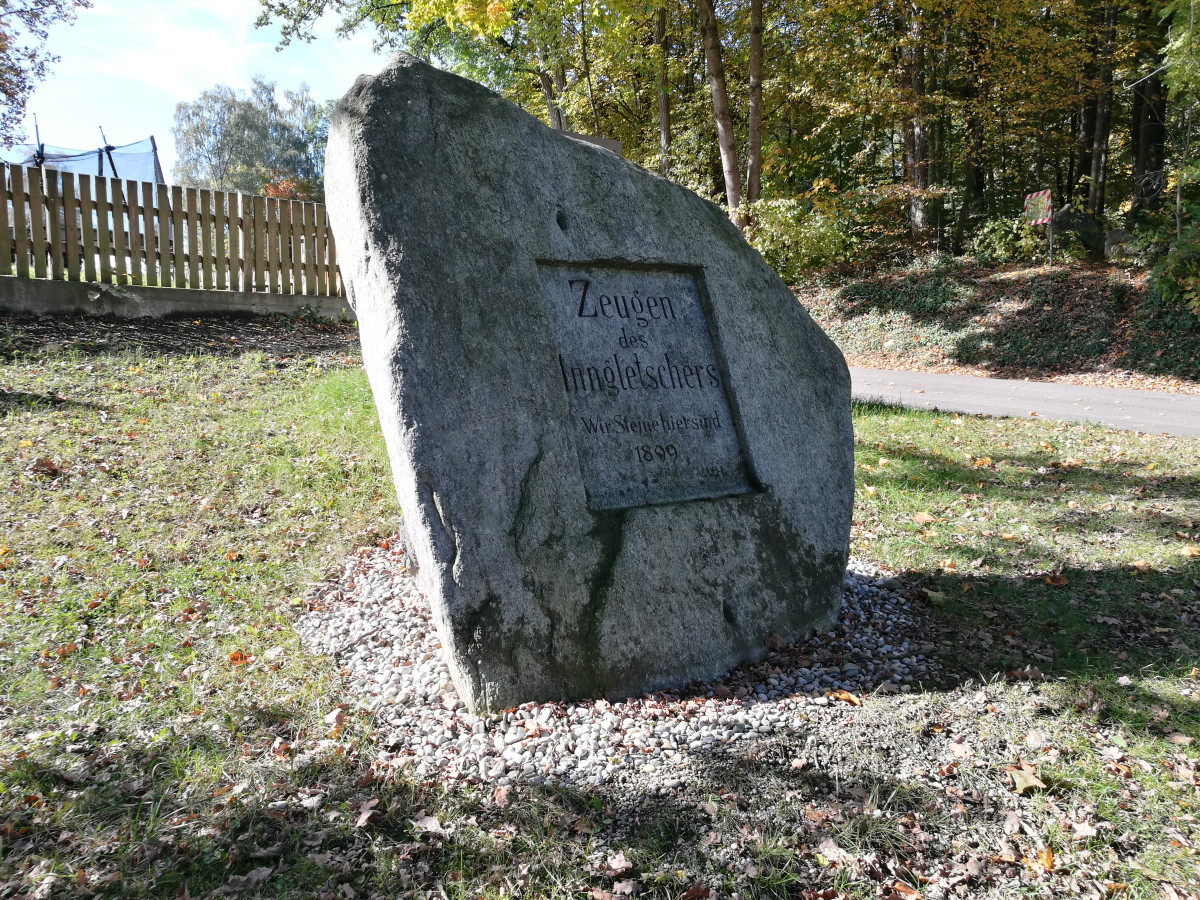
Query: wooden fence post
x=87, y=225
x=6, y=239
x=103, y=212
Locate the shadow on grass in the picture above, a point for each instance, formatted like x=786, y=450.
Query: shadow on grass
x=20, y=401
x=226, y=335
x=1054, y=597
x=119, y=824
x=1036, y=322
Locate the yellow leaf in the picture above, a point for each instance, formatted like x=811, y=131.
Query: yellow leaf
x=923, y=518
x=845, y=697
x=1056, y=580
x=982, y=461
x=1190, y=550
x=1045, y=858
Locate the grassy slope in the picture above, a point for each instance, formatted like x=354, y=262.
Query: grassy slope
x=1082, y=323
x=160, y=727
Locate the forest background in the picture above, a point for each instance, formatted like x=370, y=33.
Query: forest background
x=840, y=132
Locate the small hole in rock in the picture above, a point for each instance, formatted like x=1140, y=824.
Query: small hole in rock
x=561, y=218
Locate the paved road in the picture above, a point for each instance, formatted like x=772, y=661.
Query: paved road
x=1130, y=410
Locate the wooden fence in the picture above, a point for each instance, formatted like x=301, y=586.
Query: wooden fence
x=81, y=227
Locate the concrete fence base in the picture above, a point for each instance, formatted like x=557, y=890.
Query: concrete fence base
x=43, y=297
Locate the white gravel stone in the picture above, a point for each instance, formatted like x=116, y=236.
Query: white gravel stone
x=375, y=625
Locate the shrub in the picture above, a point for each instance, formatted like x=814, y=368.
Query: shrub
x=1175, y=277
x=1006, y=240
x=795, y=238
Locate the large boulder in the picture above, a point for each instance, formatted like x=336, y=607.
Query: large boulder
x=623, y=450
x=1082, y=225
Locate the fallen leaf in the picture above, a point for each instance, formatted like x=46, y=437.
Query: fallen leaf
x=905, y=891
x=833, y=853
x=1182, y=740
x=428, y=824
x=335, y=717
x=250, y=879
x=695, y=892
x=1190, y=550
x=618, y=864
x=625, y=888
x=1024, y=778
x=44, y=466
x=923, y=518
x=366, y=809
x=1083, y=830
x=845, y=697
x=500, y=796
x=1141, y=565
x=1035, y=740
x=1045, y=858
x=1055, y=580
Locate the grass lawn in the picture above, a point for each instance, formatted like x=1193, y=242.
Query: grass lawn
x=175, y=489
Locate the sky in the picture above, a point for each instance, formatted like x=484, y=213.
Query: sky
x=126, y=63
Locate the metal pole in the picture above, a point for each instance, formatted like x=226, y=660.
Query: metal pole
x=1051, y=238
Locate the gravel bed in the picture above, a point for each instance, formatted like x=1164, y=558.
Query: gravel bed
x=376, y=626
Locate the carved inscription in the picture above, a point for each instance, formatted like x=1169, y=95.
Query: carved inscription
x=647, y=395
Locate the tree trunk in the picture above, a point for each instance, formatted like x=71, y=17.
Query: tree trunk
x=558, y=120
x=720, y=101
x=754, y=136
x=916, y=160
x=1149, y=117
x=1103, y=125
x=587, y=66
x=974, y=88
x=664, y=95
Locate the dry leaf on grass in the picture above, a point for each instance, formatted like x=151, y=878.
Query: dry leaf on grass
x=695, y=892
x=428, y=824
x=250, y=879
x=618, y=864
x=366, y=809
x=1024, y=778
x=923, y=518
x=1045, y=859
x=845, y=697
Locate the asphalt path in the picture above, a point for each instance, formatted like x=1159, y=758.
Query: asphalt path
x=1148, y=411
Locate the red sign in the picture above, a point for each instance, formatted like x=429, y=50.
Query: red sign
x=1037, y=208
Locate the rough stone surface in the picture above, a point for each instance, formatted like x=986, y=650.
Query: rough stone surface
x=582, y=527
x=1082, y=225
x=1115, y=241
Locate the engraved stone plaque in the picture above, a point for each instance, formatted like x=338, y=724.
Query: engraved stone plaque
x=649, y=406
